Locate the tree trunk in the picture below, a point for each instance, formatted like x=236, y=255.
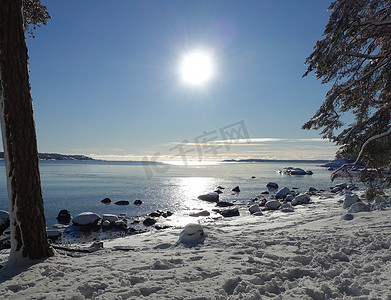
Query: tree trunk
x=28, y=224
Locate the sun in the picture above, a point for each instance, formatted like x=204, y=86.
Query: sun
x=197, y=68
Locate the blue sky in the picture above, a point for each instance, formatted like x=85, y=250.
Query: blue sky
x=105, y=79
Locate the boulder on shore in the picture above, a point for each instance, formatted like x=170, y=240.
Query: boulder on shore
x=230, y=212
x=282, y=193
x=224, y=204
x=149, y=222
x=254, y=208
x=272, y=204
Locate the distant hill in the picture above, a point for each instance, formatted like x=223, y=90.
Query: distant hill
x=56, y=156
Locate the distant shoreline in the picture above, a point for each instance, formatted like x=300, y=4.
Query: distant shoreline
x=78, y=157
x=255, y=160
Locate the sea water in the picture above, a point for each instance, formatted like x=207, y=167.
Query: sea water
x=79, y=186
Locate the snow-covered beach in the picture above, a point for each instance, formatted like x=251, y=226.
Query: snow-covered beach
x=310, y=253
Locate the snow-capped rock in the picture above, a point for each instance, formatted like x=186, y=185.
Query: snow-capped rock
x=86, y=219
x=272, y=204
x=110, y=218
x=254, y=208
x=192, y=233
x=301, y=199
x=359, y=207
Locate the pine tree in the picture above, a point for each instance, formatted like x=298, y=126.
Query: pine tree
x=355, y=57
x=28, y=224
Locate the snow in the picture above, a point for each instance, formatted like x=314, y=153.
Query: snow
x=309, y=253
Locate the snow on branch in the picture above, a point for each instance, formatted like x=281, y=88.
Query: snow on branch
x=366, y=56
x=354, y=164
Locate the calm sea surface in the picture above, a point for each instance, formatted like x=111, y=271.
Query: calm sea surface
x=80, y=186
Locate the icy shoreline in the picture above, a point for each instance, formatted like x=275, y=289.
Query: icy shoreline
x=311, y=253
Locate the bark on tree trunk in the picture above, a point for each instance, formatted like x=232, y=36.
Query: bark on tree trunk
x=28, y=224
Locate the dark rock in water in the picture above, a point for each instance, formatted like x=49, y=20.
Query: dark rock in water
x=265, y=193
x=64, y=216
x=203, y=213
x=122, y=202
x=135, y=222
x=106, y=201
x=341, y=186
x=155, y=214
x=272, y=185
x=230, y=212
x=253, y=177
x=211, y=197
x=262, y=202
x=254, y=199
x=166, y=214
x=218, y=191
x=220, y=187
x=160, y=227
x=138, y=202
x=120, y=224
x=149, y=222
x=312, y=189
x=224, y=204
x=236, y=189
x=309, y=172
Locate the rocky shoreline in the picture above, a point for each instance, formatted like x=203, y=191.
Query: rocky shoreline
x=89, y=226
